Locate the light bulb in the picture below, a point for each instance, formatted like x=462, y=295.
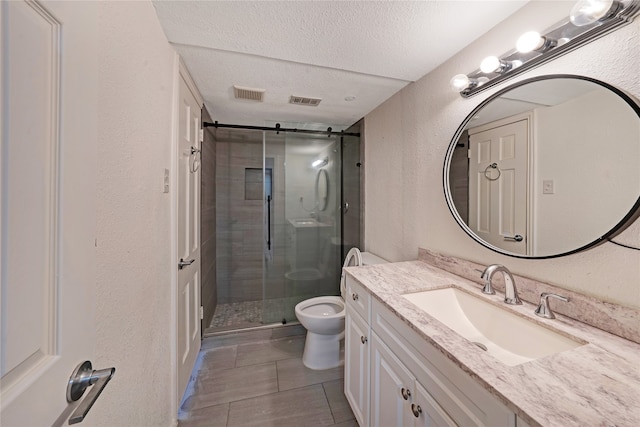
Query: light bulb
x=490, y=64
x=459, y=82
x=530, y=41
x=586, y=12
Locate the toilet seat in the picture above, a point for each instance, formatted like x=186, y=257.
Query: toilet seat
x=353, y=259
x=322, y=307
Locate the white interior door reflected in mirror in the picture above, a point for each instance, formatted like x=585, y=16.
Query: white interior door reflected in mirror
x=582, y=182
x=498, y=181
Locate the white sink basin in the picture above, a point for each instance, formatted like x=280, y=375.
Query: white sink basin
x=505, y=335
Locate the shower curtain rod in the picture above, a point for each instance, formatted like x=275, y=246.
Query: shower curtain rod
x=278, y=129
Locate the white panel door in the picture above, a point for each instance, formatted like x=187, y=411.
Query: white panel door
x=188, y=235
x=498, y=176
x=48, y=177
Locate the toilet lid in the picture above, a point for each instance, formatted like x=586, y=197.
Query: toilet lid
x=353, y=259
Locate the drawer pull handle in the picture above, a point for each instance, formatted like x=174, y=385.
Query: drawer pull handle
x=416, y=409
x=406, y=394
x=363, y=339
x=355, y=297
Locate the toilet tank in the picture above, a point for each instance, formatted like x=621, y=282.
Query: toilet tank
x=369, y=258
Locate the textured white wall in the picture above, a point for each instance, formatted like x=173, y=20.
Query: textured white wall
x=133, y=314
x=406, y=141
x=593, y=160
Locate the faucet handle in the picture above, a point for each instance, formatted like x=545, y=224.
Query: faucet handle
x=543, y=309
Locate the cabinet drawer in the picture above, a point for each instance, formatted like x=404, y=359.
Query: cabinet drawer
x=463, y=400
x=358, y=298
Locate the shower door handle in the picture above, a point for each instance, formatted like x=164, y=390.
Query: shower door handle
x=269, y=222
x=345, y=208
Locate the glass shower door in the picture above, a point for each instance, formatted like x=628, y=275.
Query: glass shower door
x=302, y=222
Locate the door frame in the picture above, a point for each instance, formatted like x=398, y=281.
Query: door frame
x=180, y=72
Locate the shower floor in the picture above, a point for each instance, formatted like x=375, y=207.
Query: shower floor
x=237, y=314
x=248, y=314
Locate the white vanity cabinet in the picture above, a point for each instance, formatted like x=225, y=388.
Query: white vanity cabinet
x=397, y=398
x=411, y=382
x=356, y=344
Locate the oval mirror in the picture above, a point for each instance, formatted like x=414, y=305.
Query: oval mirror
x=322, y=189
x=546, y=167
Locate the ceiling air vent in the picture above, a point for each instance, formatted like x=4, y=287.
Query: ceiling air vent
x=301, y=100
x=248, y=93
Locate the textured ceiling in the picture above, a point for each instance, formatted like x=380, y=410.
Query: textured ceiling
x=325, y=49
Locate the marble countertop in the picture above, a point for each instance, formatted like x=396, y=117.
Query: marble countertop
x=597, y=384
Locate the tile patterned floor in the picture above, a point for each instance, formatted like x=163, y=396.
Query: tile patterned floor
x=237, y=314
x=258, y=379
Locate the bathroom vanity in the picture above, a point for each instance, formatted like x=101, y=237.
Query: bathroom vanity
x=405, y=368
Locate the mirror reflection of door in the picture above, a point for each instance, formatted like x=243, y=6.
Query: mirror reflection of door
x=498, y=184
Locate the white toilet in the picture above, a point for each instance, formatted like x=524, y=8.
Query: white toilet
x=323, y=317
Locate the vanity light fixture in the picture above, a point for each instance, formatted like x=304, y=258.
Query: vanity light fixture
x=320, y=162
x=589, y=19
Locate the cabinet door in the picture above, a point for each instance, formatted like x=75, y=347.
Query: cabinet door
x=356, y=374
x=391, y=382
x=427, y=412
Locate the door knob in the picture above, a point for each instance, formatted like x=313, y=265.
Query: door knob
x=83, y=377
x=516, y=238
x=182, y=264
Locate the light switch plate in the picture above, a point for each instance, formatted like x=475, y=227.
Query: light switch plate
x=166, y=181
x=548, y=186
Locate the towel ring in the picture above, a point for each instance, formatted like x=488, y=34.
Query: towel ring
x=196, y=155
x=492, y=166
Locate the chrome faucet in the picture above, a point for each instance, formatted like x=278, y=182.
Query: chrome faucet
x=510, y=291
x=543, y=309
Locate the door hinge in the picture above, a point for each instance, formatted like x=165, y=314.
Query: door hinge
x=201, y=312
x=201, y=135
